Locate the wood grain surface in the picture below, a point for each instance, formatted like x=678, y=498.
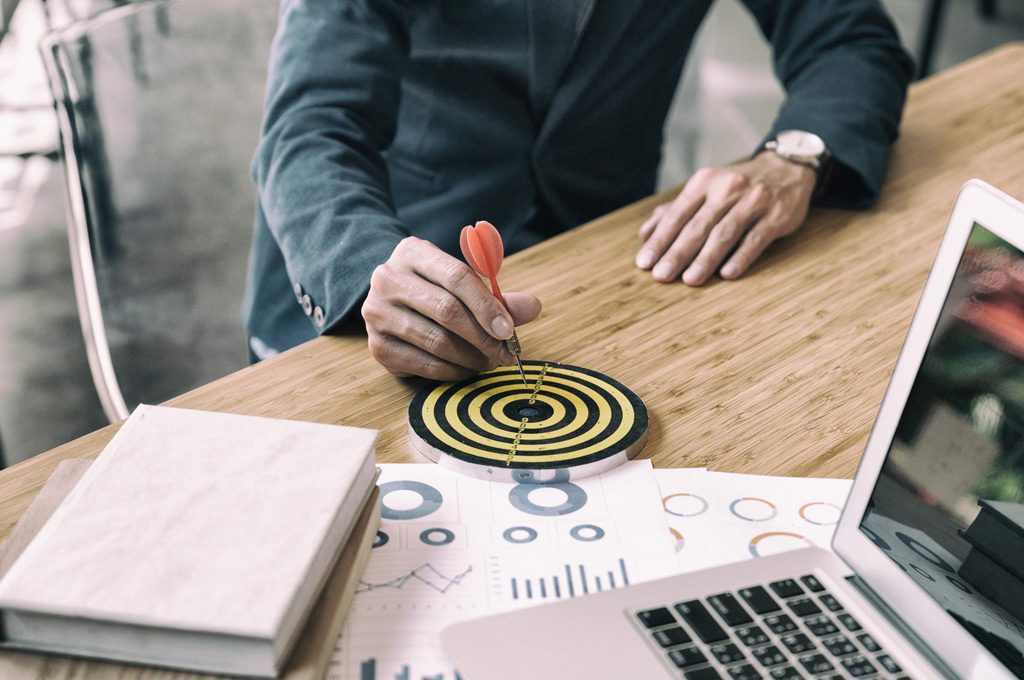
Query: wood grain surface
x=778, y=373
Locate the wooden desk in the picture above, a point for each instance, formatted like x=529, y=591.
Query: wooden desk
x=779, y=373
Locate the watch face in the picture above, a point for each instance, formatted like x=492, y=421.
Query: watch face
x=800, y=144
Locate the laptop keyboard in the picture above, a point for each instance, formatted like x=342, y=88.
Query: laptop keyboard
x=792, y=628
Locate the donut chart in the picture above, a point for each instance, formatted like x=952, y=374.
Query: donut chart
x=493, y=426
x=753, y=509
x=430, y=500
x=757, y=550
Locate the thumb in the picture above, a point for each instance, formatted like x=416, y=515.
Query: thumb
x=523, y=307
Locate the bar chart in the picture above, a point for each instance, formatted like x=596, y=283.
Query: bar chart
x=368, y=671
x=522, y=582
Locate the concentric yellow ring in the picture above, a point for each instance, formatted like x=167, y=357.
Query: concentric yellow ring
x=556, y=379
x=475, y=414
x=557, y=411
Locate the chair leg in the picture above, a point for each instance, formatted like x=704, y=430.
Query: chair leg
x=934, y=12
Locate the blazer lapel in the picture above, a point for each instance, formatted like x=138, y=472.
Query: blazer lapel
x=600, y=28
x=555, y=29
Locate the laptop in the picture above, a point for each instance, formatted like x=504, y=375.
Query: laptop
x=927, y=575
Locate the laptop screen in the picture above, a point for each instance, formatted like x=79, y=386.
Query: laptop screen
x=948, y=507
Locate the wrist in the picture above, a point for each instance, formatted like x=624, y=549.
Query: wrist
x=805, y=174
x=800, y=147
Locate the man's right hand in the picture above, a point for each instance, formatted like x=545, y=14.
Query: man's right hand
x=431, y=315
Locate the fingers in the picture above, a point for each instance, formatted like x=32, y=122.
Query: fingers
x=679, y=213
x=721, y=191
x=754, y=243
x=419, y=331
x=523, y=307
x=738, y=209
x=443, y=312
x=429, y=314
x=460, y=280
x=726, y=234
x=403, y=359
x=647, y=227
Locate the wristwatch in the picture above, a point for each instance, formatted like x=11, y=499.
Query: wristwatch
x=804, y=148
x=797, y=146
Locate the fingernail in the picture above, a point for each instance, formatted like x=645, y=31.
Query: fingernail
x=644, y=259
x=502, y=328
x=730, y=270
x=694, y=274
x=663, y=270
x=506, y=357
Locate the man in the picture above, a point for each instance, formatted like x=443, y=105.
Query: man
x=391, y=124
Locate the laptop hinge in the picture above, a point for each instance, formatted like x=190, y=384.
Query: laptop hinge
x=896, y=622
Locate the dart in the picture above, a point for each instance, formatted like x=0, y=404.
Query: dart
x=484, y=252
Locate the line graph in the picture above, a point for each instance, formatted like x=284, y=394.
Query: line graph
x=426, y=574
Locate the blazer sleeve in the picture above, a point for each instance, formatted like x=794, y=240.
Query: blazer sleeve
x=846, y=75
x=332, y=98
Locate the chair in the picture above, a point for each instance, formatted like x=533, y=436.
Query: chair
x=159, y=104
x=934, y=15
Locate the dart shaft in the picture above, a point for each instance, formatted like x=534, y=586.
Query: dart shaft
x=512, y=344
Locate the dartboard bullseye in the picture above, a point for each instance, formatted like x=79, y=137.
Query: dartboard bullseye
x=568, y=421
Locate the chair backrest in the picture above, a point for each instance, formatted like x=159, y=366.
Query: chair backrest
x=159, y=104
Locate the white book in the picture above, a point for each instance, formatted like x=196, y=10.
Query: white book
x=196, y=540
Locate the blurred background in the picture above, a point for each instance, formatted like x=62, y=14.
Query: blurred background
x=726, y=101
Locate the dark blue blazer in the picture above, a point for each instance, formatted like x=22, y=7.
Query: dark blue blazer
x=386, y=118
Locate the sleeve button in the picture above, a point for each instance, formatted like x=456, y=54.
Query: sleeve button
x=318, y=316
x=307, y=305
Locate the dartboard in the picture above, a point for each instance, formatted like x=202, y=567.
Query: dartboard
x=565, y=419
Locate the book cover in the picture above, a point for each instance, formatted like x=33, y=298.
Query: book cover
x=192, y=528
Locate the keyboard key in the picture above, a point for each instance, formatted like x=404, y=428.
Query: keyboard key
x=797, y=643
x=780, y=624
x=812, y=583
x=687, y=656
x=729, y=608
x=759, y=600
x=786, y=673
x=839, y=646
x=816, y=664
x=702, y=674
x=886, y=662
x=670, y=637
x=830, y=602
x=769, y=656
x=821, y=625
x=727, y=653
x=751, y=636
x=744, y=672
x=787, y=588
x=804, y=607
x=701, y=621
x=869, y=643
x=652, y=618
x=857, y=666
x=849, y=622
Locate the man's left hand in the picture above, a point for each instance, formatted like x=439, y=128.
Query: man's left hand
x=731, y=212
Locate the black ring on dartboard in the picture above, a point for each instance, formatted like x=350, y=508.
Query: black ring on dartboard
x=532, y=368
x=463, y=412
x=487, y=412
